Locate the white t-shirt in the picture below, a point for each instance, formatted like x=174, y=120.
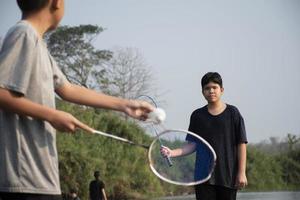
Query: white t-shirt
x=28, y=154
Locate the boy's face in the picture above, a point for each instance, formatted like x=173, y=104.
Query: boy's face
x=212, y=92
x=59, y=7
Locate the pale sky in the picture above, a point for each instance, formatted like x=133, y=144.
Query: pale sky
x=254, y=45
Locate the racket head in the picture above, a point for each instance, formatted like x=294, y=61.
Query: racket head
x=188, y=170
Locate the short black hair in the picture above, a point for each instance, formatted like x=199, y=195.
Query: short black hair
x=214, y=77
x=27, y=6
x=96, y=173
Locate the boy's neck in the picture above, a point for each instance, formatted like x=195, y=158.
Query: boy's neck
x=216, y=108
x=40, y=22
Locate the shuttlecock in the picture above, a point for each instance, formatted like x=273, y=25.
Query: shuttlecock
x=157, y=116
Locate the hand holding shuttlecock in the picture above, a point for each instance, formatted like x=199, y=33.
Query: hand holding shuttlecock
x=157, y=116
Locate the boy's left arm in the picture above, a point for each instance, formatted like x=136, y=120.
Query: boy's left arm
x=241, y=179
x=80, y=95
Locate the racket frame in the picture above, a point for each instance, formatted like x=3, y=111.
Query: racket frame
x=176, y=182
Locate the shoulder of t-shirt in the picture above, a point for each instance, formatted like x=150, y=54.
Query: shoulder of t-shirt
x=22, y=30
x=235, y=111
x=232, y=107
x=198, y=110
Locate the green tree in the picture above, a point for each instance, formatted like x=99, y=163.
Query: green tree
x=75, y=54
x=278, y=169
x=290, y=162
x=264, y=172
x=292, y=140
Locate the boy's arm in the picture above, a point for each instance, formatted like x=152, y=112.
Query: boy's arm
x=241, y=179
x=104, y=194
x=15, y=103
x=84, y=96
x=183, y=151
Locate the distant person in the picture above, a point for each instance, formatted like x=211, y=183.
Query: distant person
x=97, y=188
x=222, y=126
x=29, y=81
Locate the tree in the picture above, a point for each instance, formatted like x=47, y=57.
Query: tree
x=264, y=172
x=75, y=54
x=127, y=75
x=292, y=140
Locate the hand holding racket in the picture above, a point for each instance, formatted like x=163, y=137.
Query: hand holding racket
x=66, y=122
x=187, y=149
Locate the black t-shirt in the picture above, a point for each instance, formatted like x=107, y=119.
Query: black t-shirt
x=96, y=187
x=223, y=132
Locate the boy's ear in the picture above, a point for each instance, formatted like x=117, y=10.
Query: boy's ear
x=55, y=4
x=222, y=89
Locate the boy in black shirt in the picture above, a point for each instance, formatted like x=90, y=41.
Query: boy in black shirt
x=222, y=126
x=96, y=188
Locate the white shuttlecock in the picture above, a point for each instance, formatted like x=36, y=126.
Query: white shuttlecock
x=157, y=116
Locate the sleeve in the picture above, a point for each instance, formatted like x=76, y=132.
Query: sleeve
x=189, y=137
x=17, y=61
x=102, y=185
x=240, y=128
x=58, y=77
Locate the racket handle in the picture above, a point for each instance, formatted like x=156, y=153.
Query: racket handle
x=169, y=161
x=167, y=157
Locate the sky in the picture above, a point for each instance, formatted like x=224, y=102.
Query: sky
x=254, y=45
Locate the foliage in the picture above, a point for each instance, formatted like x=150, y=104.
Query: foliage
x=263, y=171
x=122, y=73
x=277, y=170
x=290, y=163
x=75, y=54
x=124, y=168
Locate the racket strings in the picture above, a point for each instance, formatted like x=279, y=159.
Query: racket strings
x=186, y=170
